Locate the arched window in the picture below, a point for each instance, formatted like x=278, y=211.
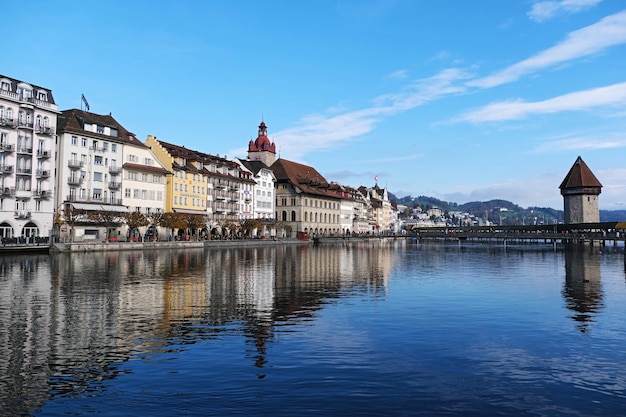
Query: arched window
x=6, y=230
x=284, y=216
x=38, y=121
x=293, y=215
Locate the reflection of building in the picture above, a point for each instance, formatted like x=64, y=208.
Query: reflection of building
x=583, y=288
x=28, y=118
x=580, y=190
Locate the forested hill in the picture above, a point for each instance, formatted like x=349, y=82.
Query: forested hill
x=500, y=210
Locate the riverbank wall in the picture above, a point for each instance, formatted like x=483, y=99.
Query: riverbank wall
x=123, y=246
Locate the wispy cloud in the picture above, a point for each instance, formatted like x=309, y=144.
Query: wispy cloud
x=545, y=10
x=581, y=100
x=583, y=143
x=321, y=131
x=398, y=75
x=592, y=39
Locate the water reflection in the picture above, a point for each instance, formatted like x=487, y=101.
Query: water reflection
x=69, y=322
x=582, y=289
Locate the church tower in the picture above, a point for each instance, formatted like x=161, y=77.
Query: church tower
x=580, y=190
x=262, y=149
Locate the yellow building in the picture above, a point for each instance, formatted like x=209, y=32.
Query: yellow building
x=186, y=190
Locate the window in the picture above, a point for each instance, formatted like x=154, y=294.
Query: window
x=97, y=176
x=74, y=140
x=105, y=146
x=6, y=86
x=94, y=144
x=97, y=160
x=114, y=147
x=126, y=192
x=83, y=142
x=42, y=95
x=97, y=193
x=99, y=129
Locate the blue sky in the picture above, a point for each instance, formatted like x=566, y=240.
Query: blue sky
x=456, y=99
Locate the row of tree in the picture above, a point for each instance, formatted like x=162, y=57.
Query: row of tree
x=194, y=224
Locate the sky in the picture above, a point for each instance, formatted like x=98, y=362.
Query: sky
x=462, y=100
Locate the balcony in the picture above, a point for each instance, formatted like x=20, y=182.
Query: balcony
x=43, y=154
x=45, y=130
x=220, y=186
x=7, y=122
x=6, y=169
x=233, y=189
x=22, y=214
x=24, y=125
x=75, y=180
x=7, y=191
x=42, y=173
x=24, y=171
x=75, y=164
x=115, y=170
x=42, y=194
x=115, y=185
x=4, y=147
x=25, y=150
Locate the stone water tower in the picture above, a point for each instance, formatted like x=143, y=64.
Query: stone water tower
x=580, y=190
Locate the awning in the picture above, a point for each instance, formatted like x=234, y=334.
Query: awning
x=119, y=209
x=187, y=211
x=98, y=207
x=82, y=206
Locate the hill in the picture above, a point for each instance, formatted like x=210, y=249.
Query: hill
x=500, y=211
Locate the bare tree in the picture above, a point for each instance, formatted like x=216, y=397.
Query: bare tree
x=108, y=219
x=71, y=216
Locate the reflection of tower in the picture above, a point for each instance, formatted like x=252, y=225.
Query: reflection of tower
x=580, y=190
x=583, y=288
x=262, y=149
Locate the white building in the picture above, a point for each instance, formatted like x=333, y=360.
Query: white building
x=27, y=131
x=262, y=195
x=90, y=153
x=144, y=187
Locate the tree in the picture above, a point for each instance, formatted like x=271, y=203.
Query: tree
x=249, y=225
x=195, y=222
x=135, y=220
x=72, y=216
x=171, y=220
x=108, y=219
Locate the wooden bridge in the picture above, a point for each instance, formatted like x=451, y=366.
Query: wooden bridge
x=591, y=233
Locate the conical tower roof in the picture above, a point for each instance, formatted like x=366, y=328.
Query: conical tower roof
x=580, y=176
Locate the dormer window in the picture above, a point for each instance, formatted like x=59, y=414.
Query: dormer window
x=42, y=95
x=181, y=161
x=100, y=129
x=5, y=85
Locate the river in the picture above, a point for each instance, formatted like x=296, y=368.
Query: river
x=389, y=328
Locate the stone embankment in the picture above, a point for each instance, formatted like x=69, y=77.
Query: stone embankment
x=117, y=246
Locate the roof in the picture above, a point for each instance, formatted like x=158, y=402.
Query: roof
x=304, y=177
x=74, y=120
x=147, y=168
x=14, y=84
x=580, y=176
x=254, y=166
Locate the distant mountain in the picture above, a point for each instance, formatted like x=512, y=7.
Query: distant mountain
x=500, y=211
x=613, y=215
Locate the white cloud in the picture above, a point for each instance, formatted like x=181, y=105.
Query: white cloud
x=545, y=10
x=581, y=100
x=398, y=75
x=592, y=39
x=323, y=131
x=584, y=143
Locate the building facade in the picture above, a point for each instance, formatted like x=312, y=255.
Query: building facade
x=28, y=116
x=580, y=190
x=89, y=158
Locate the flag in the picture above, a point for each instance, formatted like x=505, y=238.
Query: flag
x=85, y=101
x=376, y=178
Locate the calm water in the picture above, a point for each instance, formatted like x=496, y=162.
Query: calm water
x=393, y=329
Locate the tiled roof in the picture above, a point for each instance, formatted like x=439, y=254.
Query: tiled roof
x=254, y=166
x=148, y=168
x=74, y=120
x=580, y=176
x=304, y=177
